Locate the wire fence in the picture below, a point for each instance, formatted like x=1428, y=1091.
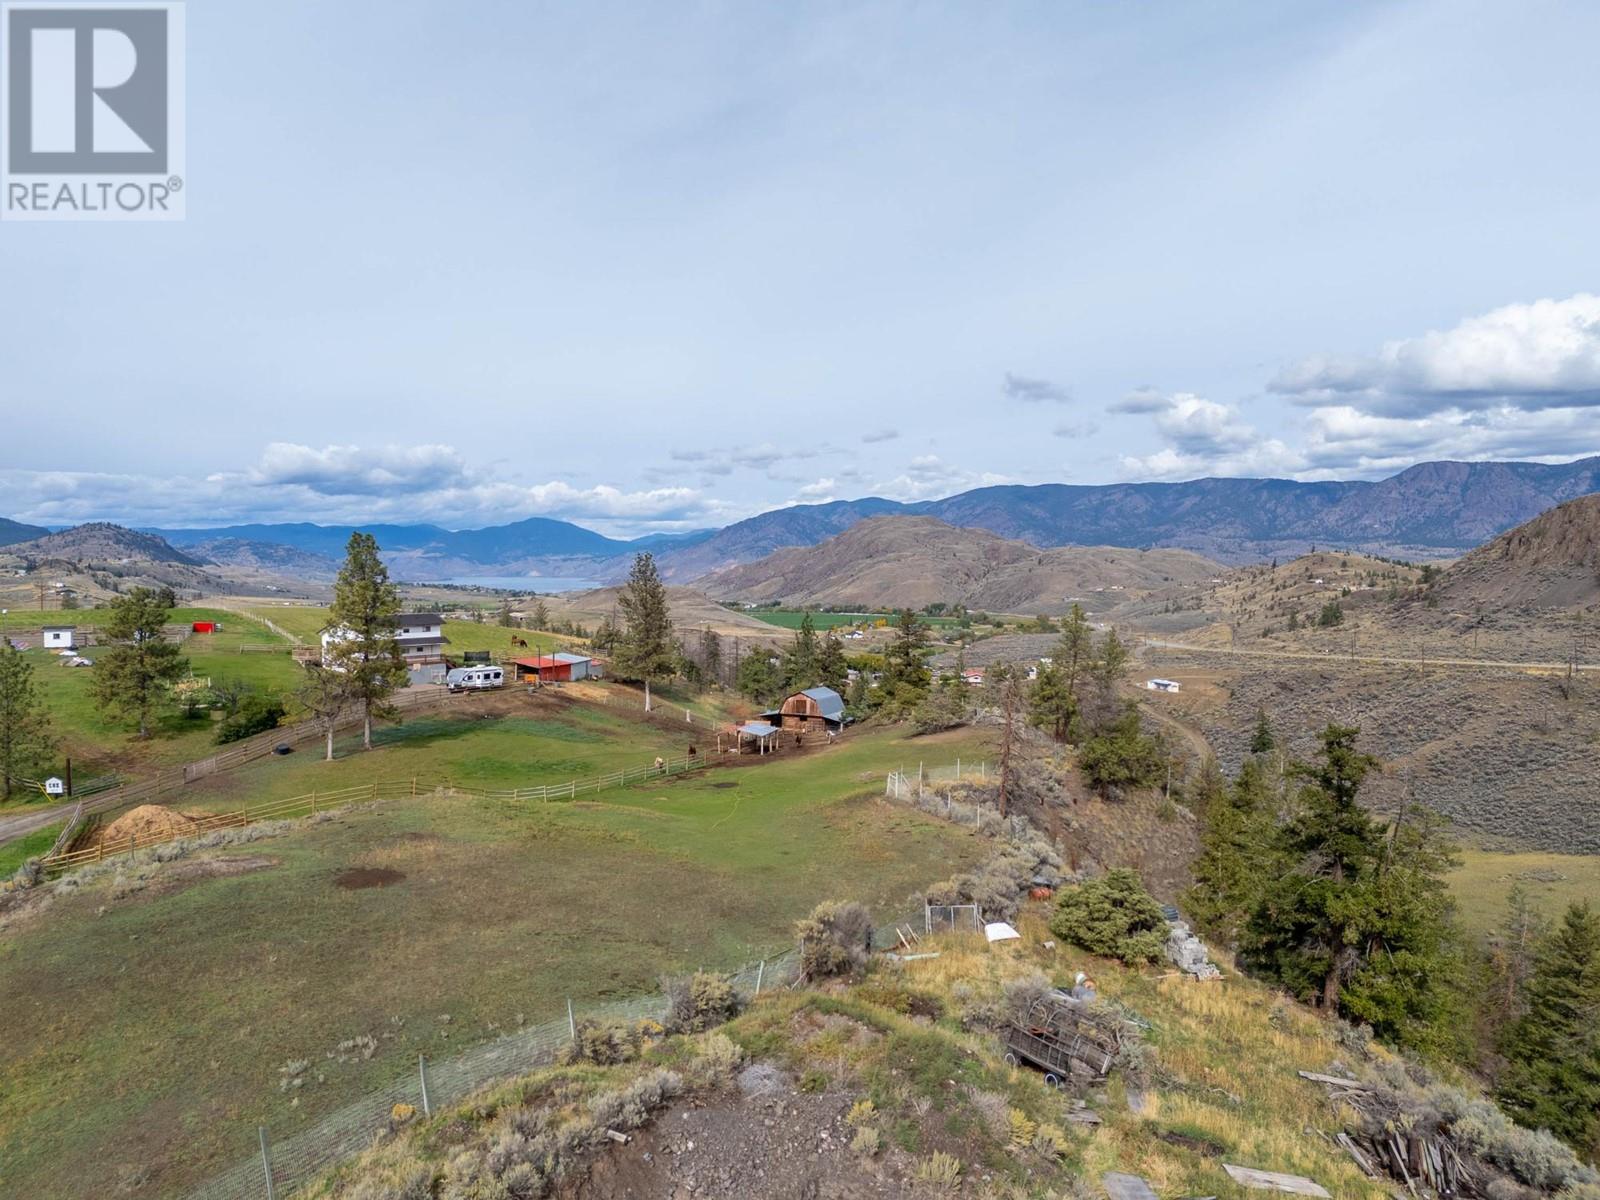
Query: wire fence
x=308, y=803
x=274, y=1168
x=905, y=784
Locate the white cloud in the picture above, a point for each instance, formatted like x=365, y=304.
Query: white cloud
x=347, y=484
x=880, y=435
x=354, y=471
x=820, y=492
x=1531, y=356
x=929, y=477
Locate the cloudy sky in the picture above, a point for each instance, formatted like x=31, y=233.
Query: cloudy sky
x=662, y=266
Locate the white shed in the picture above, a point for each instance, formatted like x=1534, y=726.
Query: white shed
x=60, y=637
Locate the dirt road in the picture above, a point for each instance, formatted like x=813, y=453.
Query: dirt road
x=1371, y=659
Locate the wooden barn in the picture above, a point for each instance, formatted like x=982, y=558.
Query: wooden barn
x=815, y=710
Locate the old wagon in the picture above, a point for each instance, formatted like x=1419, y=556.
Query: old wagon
x=1064, y=1038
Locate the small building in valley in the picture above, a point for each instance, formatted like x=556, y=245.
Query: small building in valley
x=1163, y=685
x=420, y=637
x=60, y=637
x=560, y=667
x=815, y=710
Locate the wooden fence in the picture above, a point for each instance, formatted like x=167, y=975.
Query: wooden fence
x=275, y=810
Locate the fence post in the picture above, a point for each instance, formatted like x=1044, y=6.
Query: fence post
x=266, y=1160
x=760, y=972
x=422, y=1071
x=572, y=1024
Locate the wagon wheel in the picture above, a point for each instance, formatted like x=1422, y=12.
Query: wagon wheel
x=1052, y=1080
x=1011, y=1059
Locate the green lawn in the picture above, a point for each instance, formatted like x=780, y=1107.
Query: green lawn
x=1552, y=882
x=14, y=854
x=99, y=743
x=147, y=1029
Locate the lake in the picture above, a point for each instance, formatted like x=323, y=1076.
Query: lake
x=522, y=583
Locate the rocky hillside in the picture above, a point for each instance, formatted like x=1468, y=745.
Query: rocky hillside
x=266, y=556
x=1553, y=561
x=914, y=561
x=100, y=543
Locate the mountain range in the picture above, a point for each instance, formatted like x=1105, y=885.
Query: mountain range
x=1432, y=510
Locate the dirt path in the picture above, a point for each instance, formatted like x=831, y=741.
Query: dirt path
x=1372, y=659
x=19, y=825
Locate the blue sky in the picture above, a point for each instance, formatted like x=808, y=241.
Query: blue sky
x=663, y=266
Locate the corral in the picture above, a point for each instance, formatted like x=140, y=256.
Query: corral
x=503, y=911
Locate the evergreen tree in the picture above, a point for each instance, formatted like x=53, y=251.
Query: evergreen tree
x=25, y=742
x=1052, y=705
x=1074, y=649
x=1263, y=741
x=903, y=667
x=1553, y=1078
x=832, y=668
x=645, y=651
x=711, y=654
x=1510, y=955
x=944, y=707
x=365, y=604
x=606, y=636
x=541, y=615
x=134, y=672
x=757, y=677
x=1236, y=853
x=1306, y=931
x=1121, y=754
x=800, y=660
x=858, y=699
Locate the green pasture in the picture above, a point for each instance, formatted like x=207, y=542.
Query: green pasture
x=146, y=1029
x=1552, y=881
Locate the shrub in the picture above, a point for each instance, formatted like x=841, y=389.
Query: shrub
x=939, y=1170
x=1112, y=916
x=630, y=1107
x=255, y=714
x=606, y=1043
x=719, y=1054
x=1051, y=1141
x=867, y=1141
x=999, y=885
x=700, y=1001
x=1022, y=1129
x=835, y=939
x=1023, y=993
x=861, y=1112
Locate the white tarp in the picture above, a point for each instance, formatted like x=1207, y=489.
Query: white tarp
x=999, y=931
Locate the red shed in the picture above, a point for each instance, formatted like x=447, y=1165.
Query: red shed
x=205, y=626
x=543, y=668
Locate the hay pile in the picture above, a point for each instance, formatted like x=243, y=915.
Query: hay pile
x=148, y=823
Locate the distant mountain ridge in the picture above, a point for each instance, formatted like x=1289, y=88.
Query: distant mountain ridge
x=1432, y=510
x=12, y=532
x=902, y=561
x=101, y=542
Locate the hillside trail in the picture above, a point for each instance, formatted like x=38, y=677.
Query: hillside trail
x=1372, y=659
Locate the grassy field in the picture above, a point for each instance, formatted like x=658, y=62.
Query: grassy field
x=1552, y=881
x=14, y=854
x=145, y=1028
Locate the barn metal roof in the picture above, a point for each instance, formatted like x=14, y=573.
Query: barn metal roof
x=829, y=701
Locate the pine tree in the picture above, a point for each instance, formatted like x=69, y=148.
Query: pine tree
x=1074, y=649
x=800, y=660
x=1236, y=856
x=1052, y=705
x=757, y=677
x=25, y=741
x=134, y=672
x=903, y=667
x=541, y=615
x=1553, y=1078
x=858, y=699
x=832, y=668
x=1263, y=741
x=364, y=650
x=1511, y=951
x=1306, y=931
x=645, y=651
x=711, y=654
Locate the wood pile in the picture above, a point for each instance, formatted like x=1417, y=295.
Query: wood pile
x=1388, y=1141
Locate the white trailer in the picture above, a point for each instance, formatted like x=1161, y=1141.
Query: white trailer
x=463, y=678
